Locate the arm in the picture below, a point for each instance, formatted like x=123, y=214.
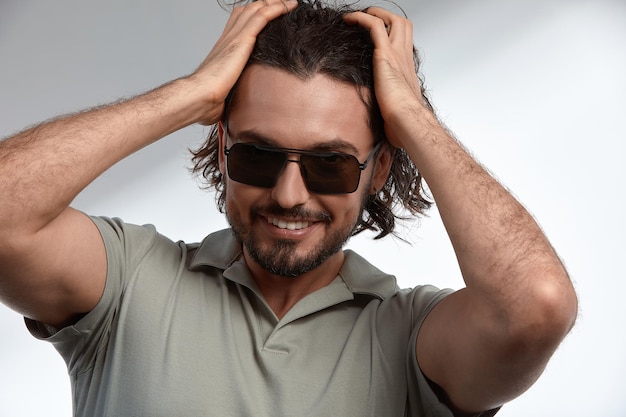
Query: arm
x=52, y=258
x=488, y=342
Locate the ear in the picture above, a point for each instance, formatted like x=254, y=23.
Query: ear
x=382, y=167
x=221, y=133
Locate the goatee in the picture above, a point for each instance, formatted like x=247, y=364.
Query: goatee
x=281, y=258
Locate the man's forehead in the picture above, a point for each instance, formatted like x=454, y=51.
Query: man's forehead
x=260, y=74
x=319, y=109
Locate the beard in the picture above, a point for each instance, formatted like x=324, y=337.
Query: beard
x=281, y=257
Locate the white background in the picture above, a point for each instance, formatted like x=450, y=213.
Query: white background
x=535, y=88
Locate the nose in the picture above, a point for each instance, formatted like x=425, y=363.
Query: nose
x=290, y=189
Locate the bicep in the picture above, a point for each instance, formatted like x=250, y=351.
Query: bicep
x=464, y=348
x=58, y=273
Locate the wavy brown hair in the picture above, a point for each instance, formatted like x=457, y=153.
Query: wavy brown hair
x=313, y=39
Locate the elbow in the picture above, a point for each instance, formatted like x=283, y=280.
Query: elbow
x=557, y=300
x=548, y=311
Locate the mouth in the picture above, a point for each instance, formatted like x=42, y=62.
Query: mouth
x=288, y=225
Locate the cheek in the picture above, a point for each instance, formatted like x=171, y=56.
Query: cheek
x=231, y=206
x=240, y=197
x=346, y=209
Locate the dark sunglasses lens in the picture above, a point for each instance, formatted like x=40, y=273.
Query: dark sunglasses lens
x=251, y=165
x=330, y=174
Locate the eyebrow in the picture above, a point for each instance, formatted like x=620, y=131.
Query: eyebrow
x=334, y=145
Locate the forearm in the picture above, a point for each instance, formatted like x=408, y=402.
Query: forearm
x=43, y=168
x=505, y=258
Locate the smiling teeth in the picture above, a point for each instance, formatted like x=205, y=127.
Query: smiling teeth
x=282, y=224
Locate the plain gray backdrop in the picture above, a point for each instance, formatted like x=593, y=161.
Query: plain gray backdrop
x=535, y=89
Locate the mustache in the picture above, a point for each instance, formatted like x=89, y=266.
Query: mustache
x=297, y=212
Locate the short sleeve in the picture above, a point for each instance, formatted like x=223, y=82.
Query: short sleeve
x=423, y=401
x=81, y=343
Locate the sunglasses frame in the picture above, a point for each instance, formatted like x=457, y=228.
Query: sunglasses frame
x=291, y=151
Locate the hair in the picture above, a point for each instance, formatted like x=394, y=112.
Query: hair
x=314, y=39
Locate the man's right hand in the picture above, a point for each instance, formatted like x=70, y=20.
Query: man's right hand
x=222, y=67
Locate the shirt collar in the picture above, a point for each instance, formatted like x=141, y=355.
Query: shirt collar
x=221, y=250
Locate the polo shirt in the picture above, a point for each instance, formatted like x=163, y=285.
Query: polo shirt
x=183, y=330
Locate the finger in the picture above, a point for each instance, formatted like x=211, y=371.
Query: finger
x=385, y=28
x=375, y=25
x=384, y=15
x=254, y=16
x=397, y=26
x=231, y=51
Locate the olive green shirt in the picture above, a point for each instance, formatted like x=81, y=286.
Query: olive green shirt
x=183, y=330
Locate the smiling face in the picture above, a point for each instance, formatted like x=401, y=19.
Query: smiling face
x=286, y=229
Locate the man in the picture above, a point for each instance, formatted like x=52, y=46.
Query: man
x=273, y=318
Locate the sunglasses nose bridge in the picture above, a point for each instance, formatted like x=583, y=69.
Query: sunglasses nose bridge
x=296, y=160
x=284, y=163
x=290, y=188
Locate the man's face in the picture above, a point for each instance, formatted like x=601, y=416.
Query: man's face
x=287, y=229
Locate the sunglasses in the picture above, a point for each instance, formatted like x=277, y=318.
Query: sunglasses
x=322, y=172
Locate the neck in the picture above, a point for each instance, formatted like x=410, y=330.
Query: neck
x=282, y=293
